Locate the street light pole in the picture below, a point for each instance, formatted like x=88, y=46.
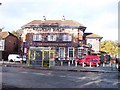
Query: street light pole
x=0, y=41
x=78, y=37
x=21, y=46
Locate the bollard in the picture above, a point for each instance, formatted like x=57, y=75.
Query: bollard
x=83, y=64
x=117, y=66
x=90, y=64
x=5, y=65
x=69, y=63
x=97, y=64
x=28, y=64
x=3, y=61
x=76, y=64
x=110, y=64
x=61, y=63
x=72, y=62
x=103, y=64
x=113, y=66
x=21, y=62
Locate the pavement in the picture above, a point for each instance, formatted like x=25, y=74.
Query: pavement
x=100, y=69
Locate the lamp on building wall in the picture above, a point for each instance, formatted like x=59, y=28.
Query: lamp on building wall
x=81, y=30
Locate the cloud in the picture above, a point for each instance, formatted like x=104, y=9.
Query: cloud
x=105, y=25
x=99, y=16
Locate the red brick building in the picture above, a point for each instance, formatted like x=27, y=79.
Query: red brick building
x=10, y=44
x=45, y=40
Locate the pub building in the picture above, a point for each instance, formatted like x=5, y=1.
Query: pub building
x=50, y=40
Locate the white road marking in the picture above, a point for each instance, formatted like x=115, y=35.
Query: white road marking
x=62, y=76
x=33, y=73
x=23, y=72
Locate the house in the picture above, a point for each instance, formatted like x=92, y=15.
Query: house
x=9, y=44
x=94, y=41
x=46, y=40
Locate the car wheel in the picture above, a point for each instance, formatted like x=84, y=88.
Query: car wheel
x=24, y=61
x=11, y=60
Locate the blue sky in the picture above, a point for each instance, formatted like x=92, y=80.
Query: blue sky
x=99, y=16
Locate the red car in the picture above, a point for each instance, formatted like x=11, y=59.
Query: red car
x=93, y=59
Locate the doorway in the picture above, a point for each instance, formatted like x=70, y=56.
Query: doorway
x=45, y=58
x=41, y=57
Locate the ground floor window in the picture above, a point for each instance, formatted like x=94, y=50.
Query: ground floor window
x=61, y=53
x=79, y=53
x=70, y=53
x=32, y=54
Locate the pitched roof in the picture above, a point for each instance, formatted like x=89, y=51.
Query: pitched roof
x=93, y=36
x=5, y=34
x=54, y=22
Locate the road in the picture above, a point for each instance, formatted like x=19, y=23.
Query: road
x=31, y=78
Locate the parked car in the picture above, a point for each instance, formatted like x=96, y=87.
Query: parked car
x=119, y=65
x=93, y=59
x=16, y=58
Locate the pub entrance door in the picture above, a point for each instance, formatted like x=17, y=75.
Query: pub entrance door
x=45, y=58
x=48, y=57
x=41, y=57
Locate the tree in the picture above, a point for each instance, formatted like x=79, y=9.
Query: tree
x=16, y=33
x=110, y=47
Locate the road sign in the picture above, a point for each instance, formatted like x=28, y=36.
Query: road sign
x=2, y=44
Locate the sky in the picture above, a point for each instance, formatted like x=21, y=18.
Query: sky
x=99, y=16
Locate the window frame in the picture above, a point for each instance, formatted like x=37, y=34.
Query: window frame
x=71, y=58
x=54, y=37
x=37, y=37
x=62, y=53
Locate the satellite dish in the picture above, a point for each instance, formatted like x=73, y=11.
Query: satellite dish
x=90, y=45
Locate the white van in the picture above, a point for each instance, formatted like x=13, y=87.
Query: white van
x=15, y=58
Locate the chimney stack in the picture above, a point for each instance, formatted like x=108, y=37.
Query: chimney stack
x=63, y=18
x=44, y=18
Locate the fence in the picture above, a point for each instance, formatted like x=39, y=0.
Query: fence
x=76, y=64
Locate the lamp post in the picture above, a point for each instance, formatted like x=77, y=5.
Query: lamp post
x=0, y=41
x=20, y=49
x=1, y=44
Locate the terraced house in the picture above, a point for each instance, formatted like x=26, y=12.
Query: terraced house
x=47, y=40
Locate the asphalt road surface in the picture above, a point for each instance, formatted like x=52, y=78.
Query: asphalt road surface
x=31, y=78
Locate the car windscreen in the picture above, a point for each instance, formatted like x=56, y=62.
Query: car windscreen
x=93, y=60
x=18, y=56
